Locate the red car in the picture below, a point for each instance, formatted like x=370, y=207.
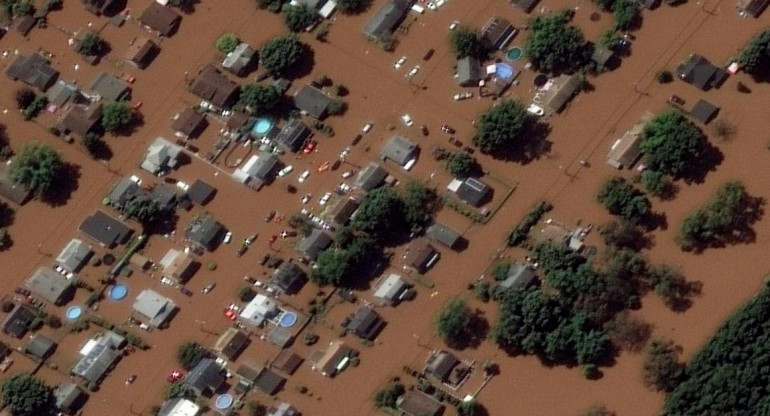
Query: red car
x=309, y=147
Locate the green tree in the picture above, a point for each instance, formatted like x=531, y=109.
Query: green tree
x=182, y=4
x=92, y=142
x=452, y=322
x=91, y=45
x=281, y=53
x=3, y=239
x=466, y=43
x=22, y=7
x=755, y=56
x=387, y=397
x=25, y=395
x=36, y=167
x=299, y=18
x=661, y=367
x=470, y=408
x=179, y=390
x=501, y=127
x=620, y=197
x=669, y=283
x=461, y=165
x=189, y=354
x=117, y=116
x=258, y=98
x=628, y=332
x=379, y=212
x=24, y=97
x=272, y=5
x=227, y=43
x=610, y=39
x=626, y=14
x=553, y=45
x=623, y=234
x=330, y=267
x=353, y=6
x=418, y=204
x=655, y=183
x=142, y=209
x=671, y=143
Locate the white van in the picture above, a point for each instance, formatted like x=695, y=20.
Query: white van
x=410, y=164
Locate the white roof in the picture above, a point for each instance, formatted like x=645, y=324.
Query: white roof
x=390, y=287
x=184, y=407
x=169, y=258
x=454, y=185
x=327, y=9
x=90, y=344
x=243, y=173
x=259, y=309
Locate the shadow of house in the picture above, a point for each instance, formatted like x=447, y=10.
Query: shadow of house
x=205, y=378
x=200, y=192
x=471, y=190
x=141, y=52
x=241, y=60
x=497, y=33
x=80, y=120
x=387, y=18
x=110, y=88
x=14, y=192
x=230, y=344
x=104, y=7
x=419, y=256
x=312, y=245
x=371, y=176
x=50, y=286
x=468, y=72
x=214, y=87
x=40, y=347
x=625, y=152
x=392, y=290
x=105, y=230
x=154, y=309
x=74, y=255
x=525, y=5
x=293, y=135
x=751, y=7
x=417, y=403
x=703, y=111
x=365, y=323
x=161, y=19
x=69, y=398
x=444, y=235
x=312, y=101
x=189, y=124
x=204, y=233
x=289, y=278
x=258, y=170
x=33, y=70
x=698, y=71
x=99, y=356
x=161, y=156
x=17, y=322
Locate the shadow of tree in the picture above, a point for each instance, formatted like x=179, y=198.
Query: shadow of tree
x=65, y=183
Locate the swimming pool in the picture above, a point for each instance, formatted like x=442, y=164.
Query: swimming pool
x=288, y=319
x=118, y=292
x=223, y=402
x=514, y=53
x=261, y=127
x=73, y=312
x=504, y=71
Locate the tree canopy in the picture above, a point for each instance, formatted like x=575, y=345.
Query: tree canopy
x=755, y=56
x=36, y=167
x=25, y=395
x=227, y=42
x=298, y=18
x=626, y=14
x=330, y=267
x=501, y=126
x=465, y=42
x=671, y=143
x=189, y=354
x=379, y=212
x=116, y=116
x=259, y=98
x=272, y=5
x=90, y=45
x=662, y=370
x=461, y=165
x=388, y=396
x=418, y=204
x=620, y=197
x=553, y=45
x=142, y=209
x=453, y=321
x=280, y=53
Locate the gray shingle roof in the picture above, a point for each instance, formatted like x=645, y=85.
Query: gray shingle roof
x=110, y=87
x=33, y=70
x=106, y=230
x=74, y=255
x=293, y=135
x=387, y=18
x=312, y=101
x=468, y=71
x=40, y=346
x=399, y=149
x=206, y=377
x=156, y=308
x=312, y=245
x=49, y=285
x=443, y=234
x=370, y=177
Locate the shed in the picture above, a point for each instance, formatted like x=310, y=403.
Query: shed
x=110, y=88
x=399, y=149
x=24, y=24
x=201, y=192
x=50, y=285
x=40, y=346
x=442, y=234
x=468, y=72
x=141, y=52
x=312, y=101
x=287, y=362
x=74, y=255
x=189, y=123
x=704, y=111
x=33, y=70
x=161, y=19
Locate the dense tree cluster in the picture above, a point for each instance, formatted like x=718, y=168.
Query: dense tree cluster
x=553, y=45
x=91, y=45
x=281, y=53
x=620, y=197
x=501, y=126
x=36, y=167
x=465, y=42
x=726, y=219
x=755, y=56
x=142, y=209
x=272, y=5
x=117, y=116
x=671, y=143
x=520, y=233
x=452, y=323
x=258, y=98
x=190, y=354
x=25, y=395
x=623, y=234
x=299, y=18
x=461, y=165
x=661, y=367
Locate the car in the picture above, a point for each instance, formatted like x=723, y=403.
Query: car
x=303, y=177
x=266, y=257
x=250, y=239
x=453, y=25
x=413, y=71
x=241, y=249
x=343, y=187
x=309, y=147
x=175, y=376
x=462, y=96
x=424, y=130
x=136, y=180
x=408, y=166
x=407, y=119
x=536, y=110
x=399, y=62
x=306, y=198
x=428, y=54
x=676, y=100
x=344, y=154
x=185, y=291
x=356, y=139
x=208, y=288
x=367, y=127
x=228, y=237
x=447, y=129
x=285, y=171
x=325, y=198
x=288, y=233
x=270, y=215
x=346, y=174
x=166, y=281
x=130, y=379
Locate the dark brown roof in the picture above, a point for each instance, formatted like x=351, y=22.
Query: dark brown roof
x=417, y=403
x=189, y=122
x=419, y=253
x=160, y=18
x=140, y=51
x=79, y=120
x=287, y=362
x=214, y=86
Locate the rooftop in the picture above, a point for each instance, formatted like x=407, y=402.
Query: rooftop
x=160, y=18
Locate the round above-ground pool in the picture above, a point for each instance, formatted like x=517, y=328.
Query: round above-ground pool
x=514, y=54
x=288, y=319
x=73, y=312
x=261, y=127
x=223, y=402
x=504, y=71
x=118, y=292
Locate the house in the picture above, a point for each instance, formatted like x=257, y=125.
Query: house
x=141, y=52
x=289, y=278
x=497, y=33
x=105, y=230
x=470, y=190
x=258, y=170
x=164, y=196
x=98, y=356
x=625, y=151
x=750, y=7
x=387, y=18
x=178, y=266
x=342, y=211
x=153, y=308
x=189, y=123
x=179, y=407
x=333, y=359
x=557, y=92
x=123, y=192
x=69, y=397
x=260, y=310
x=417, y=403
x=269, y=382
x=110, y=87
x=287, y=362
x=601, y=56
x=40, y=346
x=161, y=19
x=206, y=377
x=419, y=256
x=446, y=368
x=312, y=245
x=399, y=149
x=205, y=233
x=283, y=409
x=214, y=87
x=468, y=72
x=74, y=255
x=102, y=7
x=33, y=70
x=312, y=101
x=80, y=120
x=161, y=156
x=370, y=177
x=140, y=262
x=62, y=92
x=17, y=321
x=200, y=192
x=10, y=190
x=231, y=343
x=525, y=5
x=442, y=234
x=248, y=373
x=391, y=290
x=704, y=111
x=50, y=286
x=698, y=71
x=240, y=59
x=293, y=135
x=365, y=323
x=518, y=277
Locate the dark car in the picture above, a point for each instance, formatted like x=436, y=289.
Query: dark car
x=675, y=100
x=356, y=140
x=469, y=150
x=185, y=291
x=447, y=129
x=424, y=130
x=270, y=215
x=428, y=54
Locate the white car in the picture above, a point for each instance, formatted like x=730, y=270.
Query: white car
x=414, y=71
x=306, y=198
x=325, y=199
x=344, y=154
x=228, y=237
x=136, y=180
x=462, y=96
x=408, y=166
x=453, y=25
x=343, y=187
x=303, y=177
x=407, y=120
x=535, y=109
x=285, y=171
x=367, y=127
x=347, y=174
x=399, y=62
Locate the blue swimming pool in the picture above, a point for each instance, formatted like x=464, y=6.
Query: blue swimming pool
x=504, y=71
x=118, y=292
x=223, y=402
x=288, y=319
x=261, y=127
x=73, y=312
x=514, y=53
